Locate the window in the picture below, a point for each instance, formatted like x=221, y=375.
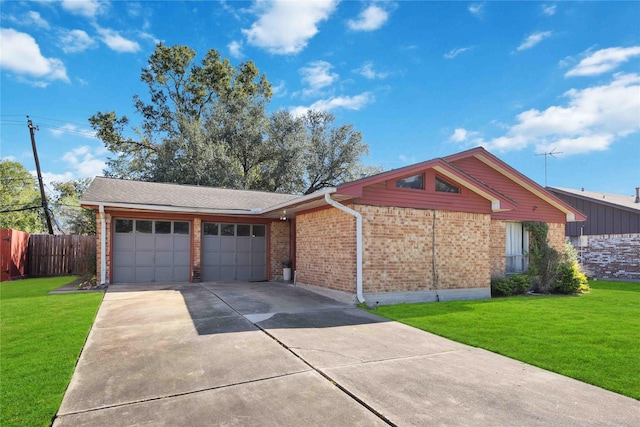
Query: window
x=144, y=227
x=443, y=186
x=210, y=229
x=163, y=227
x=415, y=182
x=227, y=229
x=258, y=230
x=244, y=230
x=181, y=227
x=124, y=225
x=517, y=248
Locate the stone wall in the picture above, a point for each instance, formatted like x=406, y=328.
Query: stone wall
x=611, y=256
x=326, y=249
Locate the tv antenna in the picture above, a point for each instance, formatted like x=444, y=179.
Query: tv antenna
x=546, y=154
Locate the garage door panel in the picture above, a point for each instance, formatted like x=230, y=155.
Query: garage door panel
x=227, y=244
x=210, y=244
x=243, y=244
x=124, y=242
x=182, y=243
x=227, y=258
x=163, y=273
x=123, y=258
x=181, y=259
x=243, y=273
x=243, y=258
x=164, y=259
x=258, y=272
x=164, y=243
x=228, y=273
x=145, y=242
x=259, y=244
x=124, y=275
x=144, y=274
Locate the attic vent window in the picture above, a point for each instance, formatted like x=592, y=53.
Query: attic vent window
x=415, y=182
x=444, y=187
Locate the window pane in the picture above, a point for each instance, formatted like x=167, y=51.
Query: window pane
x=143, y=227
x=180, y=227
x=444, y=187
x=258, y=231
x=227, y=230
x=244, y=230
x=124, y=225
x=163, y=227
x=415, y=182
x=210, y=229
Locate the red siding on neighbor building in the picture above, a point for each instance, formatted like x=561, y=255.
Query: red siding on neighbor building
x=13, y=254
x=529, y=206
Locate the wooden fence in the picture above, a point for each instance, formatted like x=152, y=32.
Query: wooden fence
x=51, y=255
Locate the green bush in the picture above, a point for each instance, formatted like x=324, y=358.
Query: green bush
x=569, y=279
x=515, y=284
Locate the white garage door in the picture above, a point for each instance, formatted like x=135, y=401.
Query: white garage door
x=151, y=251
x=234, y=252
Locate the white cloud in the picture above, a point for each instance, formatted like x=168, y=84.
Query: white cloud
x=549, y=9
x=86, y=8
x=279, y=90
x=455, y=52
x=71, y=128
x=76, y=41
x=317, y=75
x=34, y=19
x=116, y=42
x=459, y=135
x=356, y=103
x=20, y=54
x=368, y=72
x=49, y=178
x=235, y=49
x=603, y=61
x=534, y=39
x=592, y=119
x=370, y=19
x=476, y=9
x=285, y=27
x=84, y=161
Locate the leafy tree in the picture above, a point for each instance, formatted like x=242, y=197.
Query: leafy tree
x=20, y=203
x=206, y=124
x=333, y=153
x=67, y=210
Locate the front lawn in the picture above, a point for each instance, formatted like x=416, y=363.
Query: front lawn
x=41, y=338
x=594, y=337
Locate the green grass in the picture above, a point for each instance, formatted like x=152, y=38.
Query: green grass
x=594, y=337
x=41, y=337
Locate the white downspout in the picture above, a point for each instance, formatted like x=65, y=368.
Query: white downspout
x=350, y=211
x=103, y=246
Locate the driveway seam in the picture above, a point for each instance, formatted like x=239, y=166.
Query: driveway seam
x=319, y=371
x=186, y=393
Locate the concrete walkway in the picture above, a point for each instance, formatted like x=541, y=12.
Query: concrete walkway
x=273, y=355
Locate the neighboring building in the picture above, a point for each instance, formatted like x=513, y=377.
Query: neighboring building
x=434, y=230
x=609, y=241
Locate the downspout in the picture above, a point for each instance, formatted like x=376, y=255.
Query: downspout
x=103, y=246
x=351, y=212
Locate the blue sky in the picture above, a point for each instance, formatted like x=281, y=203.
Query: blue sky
x=419, y=79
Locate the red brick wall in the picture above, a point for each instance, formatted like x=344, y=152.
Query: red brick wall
x=99, y=218
x=326, y=249
x=611, y=256
x=279, y=247
x=498, y=248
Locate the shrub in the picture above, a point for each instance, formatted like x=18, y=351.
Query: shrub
x=515, y=284
x=569, y=279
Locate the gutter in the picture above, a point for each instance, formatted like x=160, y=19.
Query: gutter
x=103, y=245
x=330, y=201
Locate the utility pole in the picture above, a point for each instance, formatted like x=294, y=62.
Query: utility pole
x=545, y=154
x=45, y=206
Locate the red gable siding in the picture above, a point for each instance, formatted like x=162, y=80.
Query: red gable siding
x=530, y=207
x=386, y=194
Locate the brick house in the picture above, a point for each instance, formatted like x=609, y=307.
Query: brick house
x=608, y=243
x=439, y=229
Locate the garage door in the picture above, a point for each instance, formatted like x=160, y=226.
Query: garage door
x=151, y=251
x=234, y=251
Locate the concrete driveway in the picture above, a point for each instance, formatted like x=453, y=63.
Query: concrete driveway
x=270, y=354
